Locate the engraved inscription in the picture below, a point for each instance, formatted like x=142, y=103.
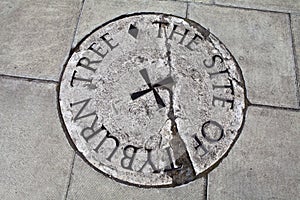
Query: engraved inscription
x=152, y=99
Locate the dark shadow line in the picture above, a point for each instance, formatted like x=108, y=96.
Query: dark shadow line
x=187, y=9
x=239, y=7
x=70, y=176
x=206, y=187
x=72, y=45
x=139, y=94
x=4, y=76
x=274, y=107
x=296, y=67
x=77, y=24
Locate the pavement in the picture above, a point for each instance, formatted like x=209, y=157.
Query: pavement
x=38, y=162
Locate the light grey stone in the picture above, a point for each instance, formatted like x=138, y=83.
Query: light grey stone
x=261, y=43
x=272, y=5
x=86, y=183
x=200, y=1
x=265, y=161
x=295, y=19
x=204, y=1
x=36, y=36
x=95, y=13
x=35, y=154
x=201, y=110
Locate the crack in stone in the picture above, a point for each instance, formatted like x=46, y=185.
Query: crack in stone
x=184, y=172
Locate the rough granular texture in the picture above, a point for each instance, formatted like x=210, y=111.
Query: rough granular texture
x=152, y=99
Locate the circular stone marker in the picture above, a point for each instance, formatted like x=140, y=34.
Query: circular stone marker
x=152, y=99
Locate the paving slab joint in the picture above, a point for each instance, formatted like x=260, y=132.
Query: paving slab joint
x=187, y=10
x=77, y=24
x=206, y=187
x=296, y=67
x=37, y=80
x=239, y=7
x=274, y=107
x=72, y=45
x=70, y=176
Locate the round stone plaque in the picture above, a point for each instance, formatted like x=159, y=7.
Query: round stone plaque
x=152, y=99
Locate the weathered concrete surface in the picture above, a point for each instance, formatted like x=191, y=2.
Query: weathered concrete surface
x=272, y=5
x=295, y=20
x=95, y=14
x=265, y=161
x=35, y=155
x=261, y=42
x=35, y=36
x=203, y=1
x=86, y=183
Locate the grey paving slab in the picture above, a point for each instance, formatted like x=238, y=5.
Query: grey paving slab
x=35, y=155
x=295, y=19
x=272, y=5
x=202, y=1
x=261, y=42
x=265, y=161
x=96, y=12
x=86, y=183
x=35, y=36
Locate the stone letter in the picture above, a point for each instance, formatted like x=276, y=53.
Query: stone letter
x=128, y=157
x=85, y=62
x=174, y=31
x=193, y=41
x=223, y=101
x=230, y=86
x=212, y=124
x=200, y=144
x=108, y=136
x=149, y=161
x=159, y=27
x=79, y=79
x=172, y=164
x=85, y=103
x=108, y=40
x=213, y=61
